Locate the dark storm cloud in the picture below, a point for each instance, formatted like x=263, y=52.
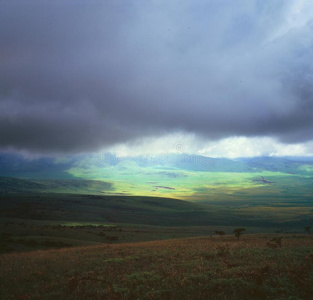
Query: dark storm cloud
x=78, y=75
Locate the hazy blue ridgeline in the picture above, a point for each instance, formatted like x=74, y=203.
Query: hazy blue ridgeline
x=13, y=165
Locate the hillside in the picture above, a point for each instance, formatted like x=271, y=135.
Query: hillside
x=10, y=185
x=54, y=220
x=121, y=209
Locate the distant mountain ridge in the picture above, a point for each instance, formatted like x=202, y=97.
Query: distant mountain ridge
x=13, y=165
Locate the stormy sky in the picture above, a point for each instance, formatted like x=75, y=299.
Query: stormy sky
x=80, y=76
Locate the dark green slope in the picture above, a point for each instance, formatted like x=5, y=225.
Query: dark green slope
x=10, y=185
x=65, y=208
x=106, y=209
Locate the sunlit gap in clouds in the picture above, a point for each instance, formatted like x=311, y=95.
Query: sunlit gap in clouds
x=232, y=147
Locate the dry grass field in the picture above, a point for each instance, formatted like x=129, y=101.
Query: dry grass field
x=253, y=267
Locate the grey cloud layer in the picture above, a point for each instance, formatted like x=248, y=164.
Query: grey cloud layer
x=76, y=76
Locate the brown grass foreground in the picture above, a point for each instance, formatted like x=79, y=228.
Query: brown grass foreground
x=194, y=268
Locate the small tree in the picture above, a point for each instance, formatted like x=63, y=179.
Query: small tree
x=238, y=232
x=307, y=228
x=220, y=233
